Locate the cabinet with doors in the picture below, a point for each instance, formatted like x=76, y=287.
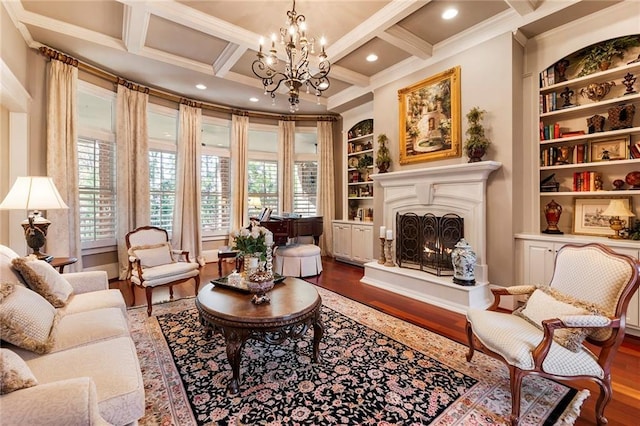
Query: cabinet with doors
x=353, y=242
x=589, y=139
x=538, y=254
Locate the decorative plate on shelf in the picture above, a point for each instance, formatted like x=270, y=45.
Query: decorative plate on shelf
x=224, y=282
x=353, y=162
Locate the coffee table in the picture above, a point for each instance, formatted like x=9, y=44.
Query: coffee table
x=295, y=306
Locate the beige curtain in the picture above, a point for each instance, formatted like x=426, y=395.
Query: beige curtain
x=326, y=185
x=132, y=167
x=286, y=145
x=239, y=160
x=63, y=237
x=186, y=211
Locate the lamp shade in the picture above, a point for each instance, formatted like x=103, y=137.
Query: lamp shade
x=33, y=193
x=255, y=202
x=617, y=208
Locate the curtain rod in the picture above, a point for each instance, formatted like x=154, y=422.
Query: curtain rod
x=54, y=54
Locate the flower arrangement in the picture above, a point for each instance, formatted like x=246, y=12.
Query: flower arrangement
x=251, y=240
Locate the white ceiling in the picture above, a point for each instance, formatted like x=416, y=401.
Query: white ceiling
x=173, y=45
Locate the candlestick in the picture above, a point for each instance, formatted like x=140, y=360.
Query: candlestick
x=389, y=234
x=383, y=230
x=389, y=256
x=382, y=259
x=268, y=239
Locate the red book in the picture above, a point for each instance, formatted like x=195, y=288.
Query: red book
x=556, y=131
x=580, y=153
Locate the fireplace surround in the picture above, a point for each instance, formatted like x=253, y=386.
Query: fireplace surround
x=459, y=189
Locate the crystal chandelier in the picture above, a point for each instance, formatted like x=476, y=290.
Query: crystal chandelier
x=294, y=72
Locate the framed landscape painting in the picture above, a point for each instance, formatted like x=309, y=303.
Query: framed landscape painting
x=588, y=218
x=430, y=118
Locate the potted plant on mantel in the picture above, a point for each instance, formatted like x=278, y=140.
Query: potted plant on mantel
x=383, y=158
x=477, y=143
x=598, y=57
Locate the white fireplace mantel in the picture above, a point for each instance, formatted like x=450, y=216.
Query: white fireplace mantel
x=459, y=189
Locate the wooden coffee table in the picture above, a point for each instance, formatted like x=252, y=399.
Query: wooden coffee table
x=295, y=306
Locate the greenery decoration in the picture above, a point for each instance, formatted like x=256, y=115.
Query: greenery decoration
x=250, y=240
x=599, y=56
x=383, y=157
x=475, y=131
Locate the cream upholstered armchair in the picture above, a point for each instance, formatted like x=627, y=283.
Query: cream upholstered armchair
x=586, y=300
x=153, y=263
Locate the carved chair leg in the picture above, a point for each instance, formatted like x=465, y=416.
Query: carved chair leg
x=603, y=399
x=148, y=291
x=516, y=375
x=470, y=340
x=170, y=292
x=133, y=293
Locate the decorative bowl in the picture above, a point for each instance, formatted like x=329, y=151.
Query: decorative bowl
x=633, y=179
x=260, y=283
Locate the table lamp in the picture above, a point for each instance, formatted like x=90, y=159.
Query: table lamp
x=616, y=209
x=34, y=193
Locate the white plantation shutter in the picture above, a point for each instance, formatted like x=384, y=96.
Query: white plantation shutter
x=97, y=192
x=305, y=187
x=263, y=184
x=216, y=194
x=162, y=178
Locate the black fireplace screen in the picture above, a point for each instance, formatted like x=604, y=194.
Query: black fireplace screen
x=426, y=242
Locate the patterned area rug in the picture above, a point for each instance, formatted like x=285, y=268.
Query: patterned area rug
x=375, y=369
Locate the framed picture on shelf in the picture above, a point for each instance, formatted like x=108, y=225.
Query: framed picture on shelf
x=609, y=149
x=588, y=218
x=430, y=118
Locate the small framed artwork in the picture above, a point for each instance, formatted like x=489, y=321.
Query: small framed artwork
x=609, y=149
x=430, y=118
x=588, y=218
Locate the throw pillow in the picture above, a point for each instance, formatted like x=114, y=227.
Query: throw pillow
x=43, y=278
x=155, y=255
x=15, y=374
x=542, y=306
x=27, y=320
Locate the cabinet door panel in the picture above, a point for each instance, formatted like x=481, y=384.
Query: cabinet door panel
x=633, y=310
x=539, y=262
x=342, y=240
x=362, y=243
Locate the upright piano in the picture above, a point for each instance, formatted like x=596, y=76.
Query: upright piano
x=288, y=227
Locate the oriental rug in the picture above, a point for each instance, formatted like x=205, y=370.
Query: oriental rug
x=375, y=370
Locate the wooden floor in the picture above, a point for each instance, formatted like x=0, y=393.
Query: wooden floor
x=344, y=279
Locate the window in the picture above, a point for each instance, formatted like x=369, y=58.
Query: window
x=305, y=173
x=262, y=168
x=96, y=166
x=162, y=125
x=215, y=177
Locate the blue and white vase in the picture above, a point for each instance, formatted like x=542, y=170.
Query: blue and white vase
x=464, y=264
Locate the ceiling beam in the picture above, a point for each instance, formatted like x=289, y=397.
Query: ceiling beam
x=380, y=21
x=523, y=7
x=407, y=41
x=227, y=59
x=134, y=27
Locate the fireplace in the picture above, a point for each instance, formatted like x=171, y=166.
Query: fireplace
x=441, y=191
x=426, y=242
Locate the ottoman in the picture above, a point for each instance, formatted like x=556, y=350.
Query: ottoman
x=298, y=260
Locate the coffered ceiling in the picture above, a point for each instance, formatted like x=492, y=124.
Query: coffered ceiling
x=172, y=45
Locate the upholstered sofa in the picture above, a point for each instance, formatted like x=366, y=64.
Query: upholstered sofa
x=85, y=370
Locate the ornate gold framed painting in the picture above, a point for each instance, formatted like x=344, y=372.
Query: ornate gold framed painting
x=430, y=118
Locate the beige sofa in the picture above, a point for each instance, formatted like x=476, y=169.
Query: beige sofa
x=91, y=373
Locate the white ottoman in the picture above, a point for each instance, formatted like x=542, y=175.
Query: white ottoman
x=298, y=260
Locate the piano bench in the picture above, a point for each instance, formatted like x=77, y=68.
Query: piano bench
x=298, y=260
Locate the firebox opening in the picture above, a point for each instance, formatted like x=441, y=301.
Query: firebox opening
x=426, y=242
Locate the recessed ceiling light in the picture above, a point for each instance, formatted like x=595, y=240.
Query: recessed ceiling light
x=254, y=99
x=372, y=57
x=201, y=86
x=450, y=13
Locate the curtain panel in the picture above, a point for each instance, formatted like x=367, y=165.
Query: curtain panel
x=132, y=153
x=286, y=147
x=62, y=159
x=326, y=187
x=239, y=161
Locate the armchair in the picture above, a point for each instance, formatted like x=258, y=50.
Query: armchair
x=152, y=262
x=586, y=300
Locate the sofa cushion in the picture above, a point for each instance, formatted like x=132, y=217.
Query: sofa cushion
x=7, y=273
x=114, y=368
x=14, y=372
x=542, y=306
x=91, y=326
x=95, y=300
x=42, y=278
x=153, y=255
x=26, y=319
